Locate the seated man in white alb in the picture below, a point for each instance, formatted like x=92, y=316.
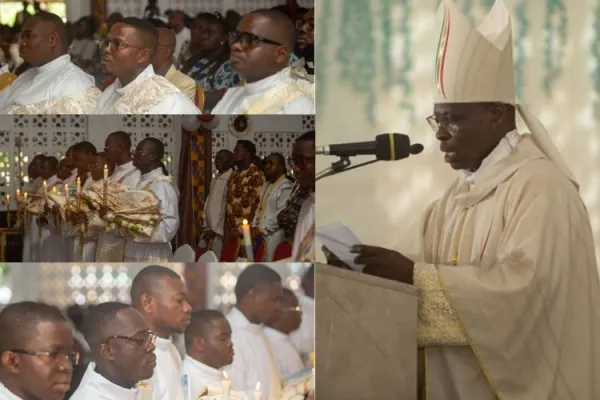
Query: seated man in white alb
x=128, y=52
x=260, y=51
x=278, y=330
x=122, y=351
x=117, y=148
x=54, y=85
x=148, y=159
x=209, y=348
x=31, y=237
x=273, y=199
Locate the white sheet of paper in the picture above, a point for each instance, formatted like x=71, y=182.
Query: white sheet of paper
x=339, y=239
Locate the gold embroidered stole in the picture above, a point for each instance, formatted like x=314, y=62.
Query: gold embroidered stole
x=83, y=102
x=140, y=97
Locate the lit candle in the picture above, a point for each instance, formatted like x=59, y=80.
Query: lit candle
x=78, y=186
x=247, y=240
x=45, y=188
x=105, y=172
x=18, y=195
x=105, y=193
x=226, y=386
x=257, y=392
x=8, y=210
x=25, y=196
x=54, y=190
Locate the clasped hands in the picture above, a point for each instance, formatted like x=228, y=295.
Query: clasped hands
x=380, y=262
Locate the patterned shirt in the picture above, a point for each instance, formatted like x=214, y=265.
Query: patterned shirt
x=243, y=195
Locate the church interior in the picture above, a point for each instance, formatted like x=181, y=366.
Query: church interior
x=189, y=158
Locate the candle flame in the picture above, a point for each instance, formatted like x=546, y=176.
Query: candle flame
x=66, y=188
x=257, y=385
x=245, y=222
x=225, y=375
x=105, y=166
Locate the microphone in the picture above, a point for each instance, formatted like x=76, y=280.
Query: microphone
x=385, y=147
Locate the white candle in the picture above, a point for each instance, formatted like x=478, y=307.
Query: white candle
x=45, y=188
x=18, y=195
x=54, y=190
x=247, y=240
x=25, y=196
x=78, y=186
x=67, y=193
x=257, y=392
x=226, y=383
x=105, y=172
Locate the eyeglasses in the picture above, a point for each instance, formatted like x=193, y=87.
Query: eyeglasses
x=145, y=339
x=116, y=44
x=435, y=124
x=52, y=356
x=249, y=40
x=301, y=23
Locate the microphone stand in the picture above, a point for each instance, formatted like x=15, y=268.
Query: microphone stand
x=339, y=166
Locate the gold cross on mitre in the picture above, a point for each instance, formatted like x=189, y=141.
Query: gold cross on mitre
x=143, y=384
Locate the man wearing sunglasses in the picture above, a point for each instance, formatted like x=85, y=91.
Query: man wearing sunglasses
x=36, y=352
x=122, y=351
x=53, y=85
x=128, y=52
x=260, y=51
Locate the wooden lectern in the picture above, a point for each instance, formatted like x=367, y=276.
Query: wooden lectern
x=366, y=336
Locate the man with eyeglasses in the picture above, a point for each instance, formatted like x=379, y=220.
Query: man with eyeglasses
x=209, y=349
x=122, y=352
x=163, y=64
x=160, y=295
x=128, y=52
x=117, y=147
x=36, y=352
x=504, y=261
x=278, y=330
x=303, y=163
x=54, y=85
x=260, y=50
x=258, y=291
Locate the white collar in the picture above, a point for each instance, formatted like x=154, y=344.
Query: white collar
x=275, y=334
x=124, y=167
x=506, y=145
x=100, y=384
x=155, y=172
x=163, y=344
x=307, y=301
x=55, y=64
x=237, y=318
x=145, y=74
x=207, y=370
x=266, y=83
x=7, y=394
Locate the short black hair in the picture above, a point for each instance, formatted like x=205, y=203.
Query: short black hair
x=98, y=321
x=59, y=26
x=19, y=320
x=146, y=281
x=86, y=147
x=52, y=160
x=145, y=28
x=252, y=277
x=248, y=145
x=283, y=23
x=200, y=322
x=158, y=147
x=123, y=137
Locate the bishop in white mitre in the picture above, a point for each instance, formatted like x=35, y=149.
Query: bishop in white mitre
x=128, y=53
x=504, y=261
x=54, y=85
x=273, y=198
x=147, y=158
x=276, y=89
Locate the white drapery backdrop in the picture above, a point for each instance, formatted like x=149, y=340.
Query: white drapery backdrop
x=376, y=74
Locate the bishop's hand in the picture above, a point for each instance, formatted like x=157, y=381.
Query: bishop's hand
x=384, y=263
x=333, y=260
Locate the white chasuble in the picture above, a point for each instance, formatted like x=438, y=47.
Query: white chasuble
x=287, y=357
x=166, y=381
x=286, y=92
x=506, y=269
x=111, y=246
x=158, y=247
x=147, y=94
x=303, y=248
x=199, y=376
x=58, y=87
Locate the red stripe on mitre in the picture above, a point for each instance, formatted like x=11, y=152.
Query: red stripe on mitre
x=442, y=61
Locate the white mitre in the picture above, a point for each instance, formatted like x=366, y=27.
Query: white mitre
x=476, y=65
